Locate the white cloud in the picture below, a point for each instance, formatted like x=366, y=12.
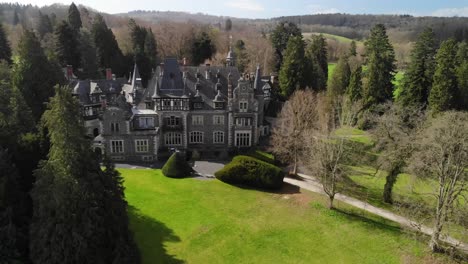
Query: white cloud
x=248, y=5
x=450, y=12
x=318, y=9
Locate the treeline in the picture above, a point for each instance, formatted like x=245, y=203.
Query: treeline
x=56, y=203
x=358, y=26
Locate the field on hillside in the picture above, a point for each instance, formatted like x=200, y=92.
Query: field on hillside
x=329, y=36
x=207, y=221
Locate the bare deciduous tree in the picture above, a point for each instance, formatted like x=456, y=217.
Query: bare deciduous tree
x=442, y=154
x=395, y=133
x=298, y=115
x=327, y=151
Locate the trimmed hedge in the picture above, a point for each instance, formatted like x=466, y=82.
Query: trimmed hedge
x=251, y=172
x=177, y=167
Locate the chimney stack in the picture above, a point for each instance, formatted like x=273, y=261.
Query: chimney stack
x=161, y=65
x=184, y=61
x=69, y=72
x=108, y=74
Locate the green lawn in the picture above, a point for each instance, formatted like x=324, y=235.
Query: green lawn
x=331, y=69
x=207, y=221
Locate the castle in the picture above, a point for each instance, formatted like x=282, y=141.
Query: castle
x=208, y=110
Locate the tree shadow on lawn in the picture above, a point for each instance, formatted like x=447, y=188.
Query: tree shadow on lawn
x=150, y=236
x=285, y=189
x=378, y=223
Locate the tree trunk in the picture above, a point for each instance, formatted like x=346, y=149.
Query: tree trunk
x=295, y=164
x=330, y=201
x=390, y=182
x=434, y=243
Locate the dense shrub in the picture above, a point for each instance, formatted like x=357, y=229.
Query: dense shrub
x=176, y=166
x=251, y=172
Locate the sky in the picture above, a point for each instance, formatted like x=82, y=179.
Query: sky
x=275, y=8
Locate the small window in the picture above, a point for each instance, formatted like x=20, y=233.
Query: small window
x=115, y=127
x=218, y=137
x=141, y=145
x=198, y=105
x=197, y=120
x=219, y=105
x=173, y=139
x=173, y=121
x=218, y=120
x=196, y=137
x=146, y=122
x=243, y=105
x=117, y=146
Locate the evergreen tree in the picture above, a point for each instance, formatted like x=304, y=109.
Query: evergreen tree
x=203, y=48
x=280, y=38
x=444, y=87
x=138, y=36
x=5, y=50
x=242, y=58
x=318, y=63
x=16, y=19
x=33, y=74
x=13, y=215
x=80, y=215
x=462, y=76
x=228, y=25
x=107, y=49
x=353, y=49
x=88, y=56
x=74, y=17
x=418, y=78
x=380, y=67
x=151, y=48
x=291, y=75
x=66, y=46
x=340, y=78
x=44, y=26
x=354, y=90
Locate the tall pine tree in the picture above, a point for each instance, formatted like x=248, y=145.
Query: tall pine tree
x=66, y=46
x=292, y=72
x=317, y=59
x=280, y=38
x=445, y=85
x=79, y=212
x=340, y=78
x=33, y=74
x=354, y=90
x=74, y=17
x=5, y=50
x=107, y=49
x=417, y=81
x=462, y=76
x=380, y=67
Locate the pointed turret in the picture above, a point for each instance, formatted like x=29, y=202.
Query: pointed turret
x=257, y=81
x=231, y=56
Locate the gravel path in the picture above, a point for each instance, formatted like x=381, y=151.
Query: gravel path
x=313, y=185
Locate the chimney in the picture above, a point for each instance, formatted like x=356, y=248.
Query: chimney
x=108, y=74
x=69, y=72
x=207, y=72
x=161, y=65
x=184, y=61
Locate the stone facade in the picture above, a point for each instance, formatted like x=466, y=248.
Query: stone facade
x=208, y=110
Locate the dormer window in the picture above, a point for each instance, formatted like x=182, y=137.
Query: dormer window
x=198, y=105
x=243, y=105
x=219, y=105
x=146, y=122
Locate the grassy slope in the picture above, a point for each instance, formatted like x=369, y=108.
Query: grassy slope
x=198, y=221
x=329, y=36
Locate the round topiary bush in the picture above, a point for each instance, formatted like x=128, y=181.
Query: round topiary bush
x=177, y=167
x=251, y=172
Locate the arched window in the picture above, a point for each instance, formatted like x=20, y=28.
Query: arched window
x=196, y=137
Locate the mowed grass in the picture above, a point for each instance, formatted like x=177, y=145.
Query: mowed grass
x=207, y=221
x=329, y=36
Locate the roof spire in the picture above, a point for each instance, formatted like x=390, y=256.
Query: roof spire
x=231, y=56
x=156, y=88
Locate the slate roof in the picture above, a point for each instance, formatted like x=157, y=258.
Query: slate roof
x=83, y=88
x=173, y=84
